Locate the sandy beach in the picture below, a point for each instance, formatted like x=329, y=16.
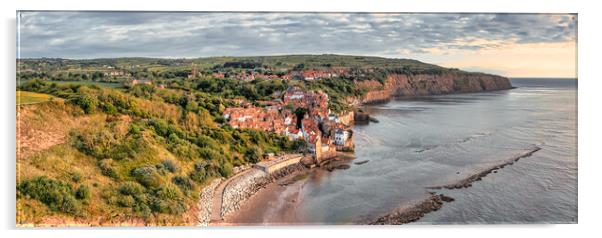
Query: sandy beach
x=264, y=208
x=277, y=202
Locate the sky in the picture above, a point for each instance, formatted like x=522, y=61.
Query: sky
x=512, y=45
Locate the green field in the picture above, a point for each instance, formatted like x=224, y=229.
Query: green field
x=87, y=83
x=24, y=97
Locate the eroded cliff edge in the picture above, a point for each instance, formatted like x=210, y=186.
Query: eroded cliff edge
x=430, y=84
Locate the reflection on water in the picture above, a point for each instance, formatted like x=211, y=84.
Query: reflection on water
x=434, y=140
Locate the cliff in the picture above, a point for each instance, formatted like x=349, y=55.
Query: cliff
x=430, y=84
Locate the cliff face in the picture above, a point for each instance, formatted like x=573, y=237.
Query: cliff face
x=431, y=84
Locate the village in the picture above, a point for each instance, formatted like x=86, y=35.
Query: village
x=299, y=115
x=295, y=113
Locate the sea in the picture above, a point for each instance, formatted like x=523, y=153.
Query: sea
x=424, y=142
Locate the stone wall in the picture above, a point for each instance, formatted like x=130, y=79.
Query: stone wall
x=242, y=188
x=206, y=202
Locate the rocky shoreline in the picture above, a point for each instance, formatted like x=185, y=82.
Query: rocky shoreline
x=413, y=213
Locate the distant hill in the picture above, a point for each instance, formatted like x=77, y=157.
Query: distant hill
x=283, y=62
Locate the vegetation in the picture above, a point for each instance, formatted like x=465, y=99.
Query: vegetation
x=56, y=195
x=24, y=97
x=152, y=152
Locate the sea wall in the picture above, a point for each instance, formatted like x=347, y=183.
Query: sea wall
x=206, y=202
x=430, y=84
x=242, y=188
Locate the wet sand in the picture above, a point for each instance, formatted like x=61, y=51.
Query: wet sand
x=277, y=203
x=265, y=207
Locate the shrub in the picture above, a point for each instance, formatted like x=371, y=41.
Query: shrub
x=104, y=143
x=210, y=154
x=126, y=201
x=76, y=177
x=252, y=155
x=108, y=108
x=83, y=192
x=168, y=199
x=70, y=205
x=147, y=176
x=199, y=174
x=86, y=102
x=182, y=148
x=183, y=182
x=131, y=188
x=225, y=169
x=107, y=169
x=143, y=210
x=56, y=195
x=170, y=165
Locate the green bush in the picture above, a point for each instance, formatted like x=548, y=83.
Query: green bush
x=184, y=183
x=199, y=174
x=126, y=201
x=168, y=199
x=83, y=192
x=106, y=168
x=147, y=176
x=131, y=188
x=225, y=169
x=252, y=155
x=86, y=102
x=182, y=148
x=103, y=143
x=58, y=196
x=209, y=154
x=76, y=177
x=170, y=165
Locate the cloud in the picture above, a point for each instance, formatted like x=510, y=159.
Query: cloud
x=190, y=34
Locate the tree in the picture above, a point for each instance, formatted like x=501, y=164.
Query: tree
x=87, y=102
x=252, y=155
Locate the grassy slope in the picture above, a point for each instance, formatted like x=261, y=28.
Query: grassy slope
x=71, y=148
x=62, y=162
x=24, y=97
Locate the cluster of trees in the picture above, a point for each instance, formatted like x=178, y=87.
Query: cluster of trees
x=243, y=64
x=67, y=76
x=258, y=89
x=338, y=91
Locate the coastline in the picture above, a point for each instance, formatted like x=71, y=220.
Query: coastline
x=400, y=215
x=234, y=192
x=363, y=102
x=268, y=198
x=258, y=189
x=267, y=202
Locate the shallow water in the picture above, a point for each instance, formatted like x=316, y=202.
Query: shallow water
x=436, y=140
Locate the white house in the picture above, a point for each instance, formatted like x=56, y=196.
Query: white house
x=340, y=137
